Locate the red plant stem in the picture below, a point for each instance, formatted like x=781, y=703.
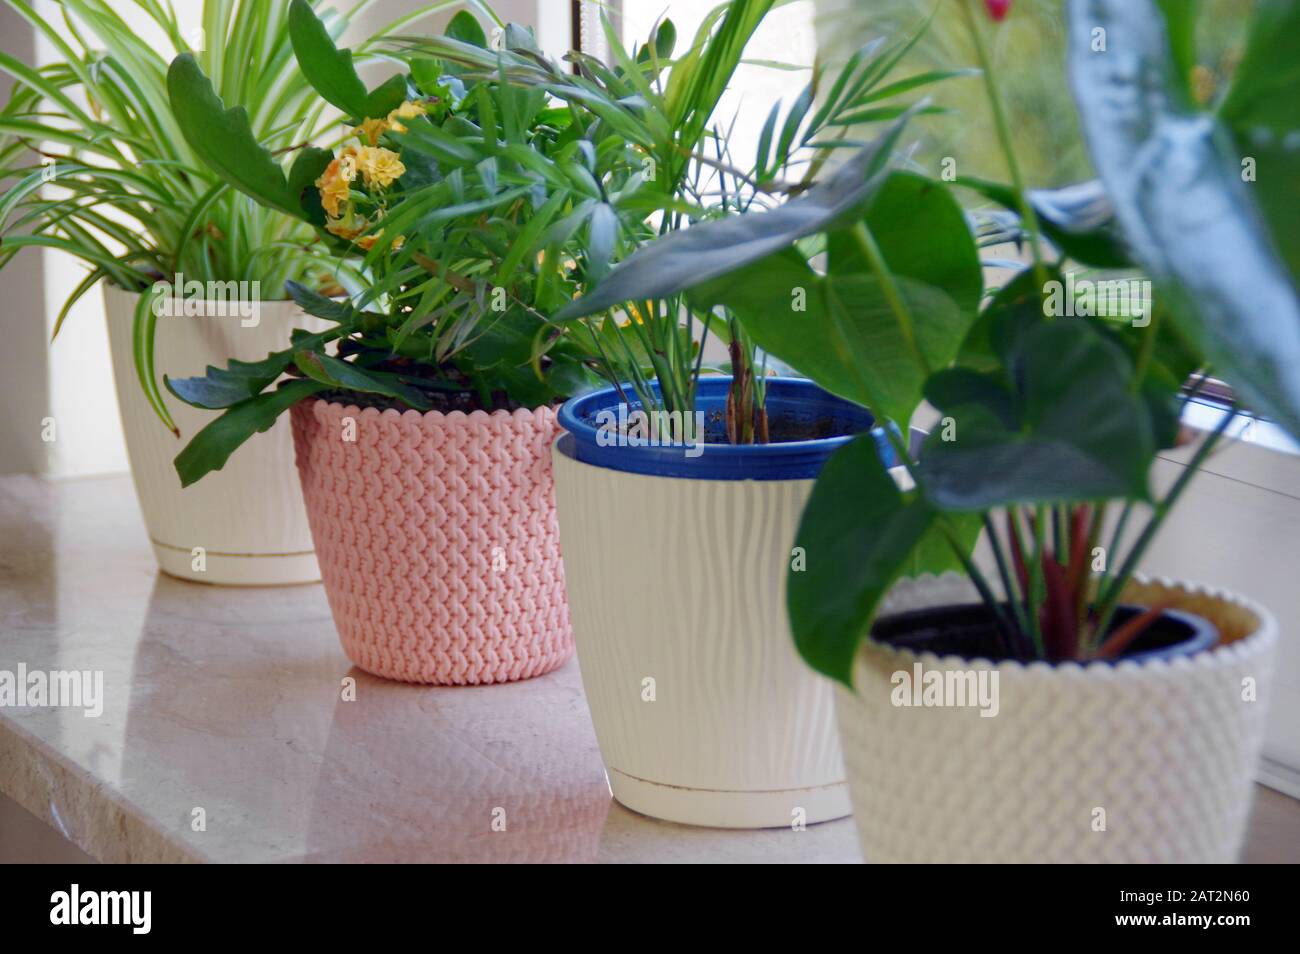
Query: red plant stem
x=1059, y=631
x=1119, y=640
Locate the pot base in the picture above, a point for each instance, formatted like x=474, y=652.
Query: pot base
x=228, y=569
x=711, y=808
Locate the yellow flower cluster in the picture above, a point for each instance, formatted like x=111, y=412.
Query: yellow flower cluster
x=371, y=129
x=378, y=168
x=335, y=183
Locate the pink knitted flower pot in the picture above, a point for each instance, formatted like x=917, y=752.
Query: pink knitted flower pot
x=437, y=539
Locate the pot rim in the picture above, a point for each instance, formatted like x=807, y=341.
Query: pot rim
x=434, y=416
x=718, y=461
x=1203, y=633
x=1264, y=633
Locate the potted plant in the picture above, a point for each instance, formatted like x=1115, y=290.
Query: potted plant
x=424, y=413
x=1048, y=703
x=679, y=492
x=192, y=271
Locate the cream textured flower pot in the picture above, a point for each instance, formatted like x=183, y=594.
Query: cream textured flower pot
x=703, y=710
x=1130, y=762
x=248, y=517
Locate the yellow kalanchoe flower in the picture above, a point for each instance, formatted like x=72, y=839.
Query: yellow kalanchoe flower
x=379, y=167
x=335, y=182
x=344, y=228
x=367, y=242
x=371, y=129
x=408, y=110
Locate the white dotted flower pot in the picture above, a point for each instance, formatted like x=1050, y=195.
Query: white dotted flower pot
x=1147, y=761
x=244, y=524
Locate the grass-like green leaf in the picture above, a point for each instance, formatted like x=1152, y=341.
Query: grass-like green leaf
x=690, y=257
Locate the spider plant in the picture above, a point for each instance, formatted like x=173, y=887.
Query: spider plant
x=95, y=165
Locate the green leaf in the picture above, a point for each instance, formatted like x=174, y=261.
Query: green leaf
x=847, y=337
x=1078, y=219
x=331, y=72
x=934, y=552
x=346, y=376
x=211, y=447
x=520, y=37
x=856, y=534
x=665, y=39
x=1020, y=298
x=240, y=380
x=1062, y=425
x=307, y=167
x=225, y=387
x=684, y=259
x=464, y=26
x=1262, y=112
x=144, y=326
x=603, y=230
x=1191, y=222
x=224, y=139
x=1180, y=20
x=331, y=309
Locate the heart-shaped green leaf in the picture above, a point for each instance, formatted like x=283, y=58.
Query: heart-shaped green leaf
x=857, y=535
x=1063, y=425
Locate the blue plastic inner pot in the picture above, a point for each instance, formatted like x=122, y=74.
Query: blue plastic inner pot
x=595, y=420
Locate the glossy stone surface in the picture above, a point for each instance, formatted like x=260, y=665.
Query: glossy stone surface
x=230, y=700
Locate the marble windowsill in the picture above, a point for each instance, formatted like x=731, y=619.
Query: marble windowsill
x=229, y=701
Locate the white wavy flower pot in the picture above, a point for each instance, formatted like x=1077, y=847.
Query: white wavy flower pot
x=248, y=517
x=1135, y=762
x=682, y=582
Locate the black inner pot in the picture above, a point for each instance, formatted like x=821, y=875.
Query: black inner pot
x=968, y=631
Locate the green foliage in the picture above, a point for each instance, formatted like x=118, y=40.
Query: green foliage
x=224, y=140
x=213, y=445
x=120, y=186
x=1060, y=422
x=1044, y=418
x=855, y=553
x=331, y=72
x=1177, y=187
x=490, y=210
x=1261, y=115
x=870, y=335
